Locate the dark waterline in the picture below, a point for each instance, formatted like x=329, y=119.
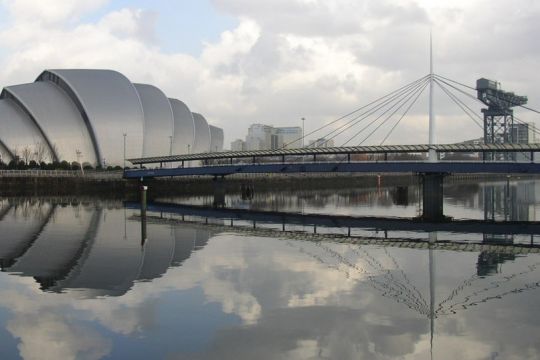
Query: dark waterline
x=80, y=280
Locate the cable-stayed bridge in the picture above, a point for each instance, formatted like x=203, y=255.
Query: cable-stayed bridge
x=499, y=126
x=502, y=151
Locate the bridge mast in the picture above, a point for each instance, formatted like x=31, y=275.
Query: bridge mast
x=432, y=153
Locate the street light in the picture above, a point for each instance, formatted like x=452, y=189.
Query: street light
x=79, y=155
x=170, y=145
x=125, y=135
x=303, y=119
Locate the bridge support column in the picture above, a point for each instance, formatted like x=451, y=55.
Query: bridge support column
x=432, y=196
x=218, y=186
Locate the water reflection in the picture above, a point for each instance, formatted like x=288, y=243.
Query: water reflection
x=511, y=199
x=78, y=277
x=71, y=246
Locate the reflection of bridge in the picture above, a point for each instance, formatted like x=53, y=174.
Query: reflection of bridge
x=343, y=229
x=376, y=266
x=345, y=222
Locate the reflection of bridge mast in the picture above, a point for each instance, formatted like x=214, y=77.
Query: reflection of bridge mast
x=403, y=291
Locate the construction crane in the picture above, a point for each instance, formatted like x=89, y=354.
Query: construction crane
x=499, y=125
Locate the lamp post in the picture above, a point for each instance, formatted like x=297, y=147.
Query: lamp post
x=125, y=135
x=303, y=119
x=170, y=145
x=79, y=155
x=188, y=147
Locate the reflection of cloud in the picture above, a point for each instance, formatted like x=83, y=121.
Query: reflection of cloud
x=295, y=299
x=317, y=332
x=53, y=336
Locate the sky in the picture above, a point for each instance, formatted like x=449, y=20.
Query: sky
x=240, y=62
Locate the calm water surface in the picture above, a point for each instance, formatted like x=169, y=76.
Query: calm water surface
x=87, y=279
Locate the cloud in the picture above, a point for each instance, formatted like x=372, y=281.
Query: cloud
x=50, y=12
x=291, y=59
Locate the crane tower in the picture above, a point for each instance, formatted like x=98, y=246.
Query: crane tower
x=499, y=116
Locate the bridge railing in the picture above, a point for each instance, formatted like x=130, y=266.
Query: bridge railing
x=213, y=163
x=61, y=174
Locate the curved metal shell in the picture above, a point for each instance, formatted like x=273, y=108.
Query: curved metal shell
x=184, y=128
x=5, y=155
x=18, y=133
x=158, y=120
x=110, y=107
x=216, y=139
x=58, y=118
x=202, y=134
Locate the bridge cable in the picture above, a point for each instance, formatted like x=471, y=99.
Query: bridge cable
x=405, y=97
x=417, y=91
x=536, y=131
x=442, y=79
x=439, y=79
x=397, y=98
x=356, y=120
x=470, y=87
x=455, y=82
x=367, y=113
x=357, y=110
x=404, y=114
x=460, y=103
x=528, y=108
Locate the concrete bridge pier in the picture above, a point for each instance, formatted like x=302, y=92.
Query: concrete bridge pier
x=432, y=196
x=218, y=188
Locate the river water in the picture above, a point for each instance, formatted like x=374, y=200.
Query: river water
x=84, y=278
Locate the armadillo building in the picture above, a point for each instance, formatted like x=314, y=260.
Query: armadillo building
x=87, y=115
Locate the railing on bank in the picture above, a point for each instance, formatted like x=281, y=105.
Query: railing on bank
x=87, y=174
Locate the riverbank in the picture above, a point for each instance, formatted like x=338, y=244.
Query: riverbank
x=111, y=183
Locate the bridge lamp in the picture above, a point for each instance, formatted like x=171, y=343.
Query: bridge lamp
x=303, y=120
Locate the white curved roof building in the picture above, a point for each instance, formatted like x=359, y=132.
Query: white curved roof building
x=83, y=114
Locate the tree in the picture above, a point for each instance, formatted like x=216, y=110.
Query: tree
x=40, y=151
x=26, y=154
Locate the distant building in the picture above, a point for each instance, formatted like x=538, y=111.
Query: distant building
x=523, y=134
x=289, y=137
x=266, y=137
x=238, y=145
x=321, y=143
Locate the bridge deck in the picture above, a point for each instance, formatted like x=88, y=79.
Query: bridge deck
x=383, y=149
x=340, y=167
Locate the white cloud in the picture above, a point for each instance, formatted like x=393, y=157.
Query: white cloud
x=290, y=59
x=50, y=11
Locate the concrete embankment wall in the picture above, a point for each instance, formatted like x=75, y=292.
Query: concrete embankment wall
x=59, y=182
x=111, y=184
